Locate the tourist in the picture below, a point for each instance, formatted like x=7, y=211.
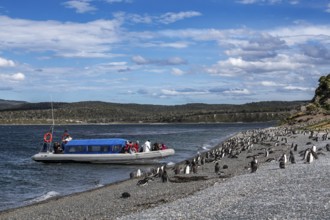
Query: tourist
x=163, y=147
x=147, y=146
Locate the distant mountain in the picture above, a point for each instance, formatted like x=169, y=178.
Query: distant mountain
x=5, y=104
x=105, y=112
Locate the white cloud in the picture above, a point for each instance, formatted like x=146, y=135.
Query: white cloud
x=247, y=1
x=172, y=17
x=170, y=61
x=269, y=83
x=328, y=8
x=299, y=34
x=182, y=92
x=167, y=18
x=237, y=92
x=262, y=1
x=12, y=77
x=238, y=66
x=140, y=60
x=297, y=88
x=63, y=39
x=81, y=6
x=177, y=71
x=119, y=1
x=6, y=63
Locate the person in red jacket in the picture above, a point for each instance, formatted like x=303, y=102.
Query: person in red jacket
x=136, y=147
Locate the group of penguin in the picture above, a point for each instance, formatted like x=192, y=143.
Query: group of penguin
x=308, y=155
x=231, y=149
x=159, y=172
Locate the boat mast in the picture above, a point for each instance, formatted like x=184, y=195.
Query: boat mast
x=52, y=118
x=52, y=126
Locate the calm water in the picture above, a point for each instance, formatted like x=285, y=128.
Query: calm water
x=24, y=181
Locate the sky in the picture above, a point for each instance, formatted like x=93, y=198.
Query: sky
x=160, y=52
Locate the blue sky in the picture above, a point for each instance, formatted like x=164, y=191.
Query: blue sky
x=163, y=52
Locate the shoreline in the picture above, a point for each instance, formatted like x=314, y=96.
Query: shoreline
x=144, y=123
x=107, y=202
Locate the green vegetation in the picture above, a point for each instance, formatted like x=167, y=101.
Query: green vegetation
x=322, y=93
x=103, y=112
x=315, y=115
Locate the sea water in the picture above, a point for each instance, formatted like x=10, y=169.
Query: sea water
x=24, y=181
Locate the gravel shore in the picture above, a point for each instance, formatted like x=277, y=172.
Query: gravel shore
x=300, y=191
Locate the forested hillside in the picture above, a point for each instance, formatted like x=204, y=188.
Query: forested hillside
x=104, y=112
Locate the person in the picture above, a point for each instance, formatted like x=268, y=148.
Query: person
x=163, y=147
x=127, y=147
x=136, y=146
x=57, y=148
x=66, y=137
x=147, y=146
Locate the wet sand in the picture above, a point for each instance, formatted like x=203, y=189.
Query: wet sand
x=206, y=194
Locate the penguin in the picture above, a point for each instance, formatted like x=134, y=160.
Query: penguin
x=266, y=153
x=282, y=164
x=143, y=182
x=310, y=157
x=283, y=158
x=187, y=168
x=202, y=160
x=138, y=173
x=135, y=174
x=194, y=167
x=313, y=151
x=254, y=165
x=314, y=148
x=295, y=148
x=125, y=195
x=217, y=167
x=307, y=151
x=282, y=161
x=327, y=147
x=177, y=170
x=160, y=171
x=164, y=176
x=291, y=157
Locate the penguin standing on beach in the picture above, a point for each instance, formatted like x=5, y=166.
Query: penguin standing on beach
x=282, y=161
x=194, y=167
x=254, y=165
x=291, y=157
x=306, y=152
x=217, y=168
x=310, y=157
x=187, y=168
x=327, y=147
x=138, y=173
x=164, y=176
x=295, y=148
x=177, y=170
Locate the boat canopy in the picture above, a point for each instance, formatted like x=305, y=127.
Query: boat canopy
x=95, y=146
x=98, y=142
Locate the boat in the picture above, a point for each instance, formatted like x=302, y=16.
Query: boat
x=105, y=151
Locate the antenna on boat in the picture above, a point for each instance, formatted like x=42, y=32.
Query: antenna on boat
x=52, y=116
x=53, y=124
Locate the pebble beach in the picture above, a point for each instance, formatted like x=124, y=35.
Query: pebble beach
x=299, y=190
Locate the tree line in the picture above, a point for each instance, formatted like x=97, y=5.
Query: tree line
x=105, y=112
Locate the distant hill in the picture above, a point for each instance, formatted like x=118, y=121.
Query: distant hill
x=5, y=104
x=105, y=112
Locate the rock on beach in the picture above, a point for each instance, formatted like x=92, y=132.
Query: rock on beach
x=300, y=191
